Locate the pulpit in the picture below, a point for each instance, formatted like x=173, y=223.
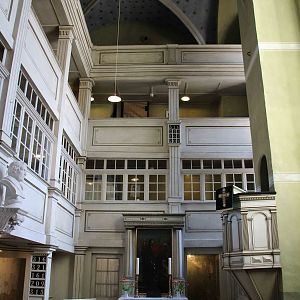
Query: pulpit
x=250, y=244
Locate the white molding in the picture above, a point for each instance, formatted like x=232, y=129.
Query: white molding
x=281, y=46
x=287, y=177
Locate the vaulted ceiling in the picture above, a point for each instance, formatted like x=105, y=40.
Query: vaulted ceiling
x=152, y=21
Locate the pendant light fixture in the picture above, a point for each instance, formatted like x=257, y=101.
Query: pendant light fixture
x=115, y=98
x=185, y=97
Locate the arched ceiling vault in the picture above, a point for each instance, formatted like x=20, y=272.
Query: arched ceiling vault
x=177, y=21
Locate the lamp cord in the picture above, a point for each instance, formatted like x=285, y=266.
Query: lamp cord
x=117, y=52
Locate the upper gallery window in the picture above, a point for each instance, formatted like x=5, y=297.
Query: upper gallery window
x=31, y=129
x=36, y=101
x=202, y=177
x=139, y=180
x=68, y=170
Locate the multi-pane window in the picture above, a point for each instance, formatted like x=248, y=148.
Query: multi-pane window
x=68, y=170
x=135, y=187
x=157, y=187
x=114, y=187
x=31, y=130
x=93, y=187
x=30, y=140
x=192, y=187
x=31, y=95
x=107, y=278
x=212, y=183
x=174, y=133
x=202, y=177
x=2, y=52
x=235, y=179
x=129, y=179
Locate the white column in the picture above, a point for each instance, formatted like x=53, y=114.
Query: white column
x=129, y=254
x=63, y=54
x=53, y=196
x=10, y=84
x=64, y=48
x=175, y=182
x=180, y=254
x=173, y=86
x=39, y=283
x=79, y=271
x=84, y=101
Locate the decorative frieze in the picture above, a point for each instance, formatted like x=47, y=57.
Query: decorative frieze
x=156, y=220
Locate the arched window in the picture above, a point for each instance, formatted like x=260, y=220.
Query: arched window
x=264, y=175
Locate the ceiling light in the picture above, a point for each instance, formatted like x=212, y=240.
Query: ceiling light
x=185, y=97
x=151, y=92
x=114, y=98
x=134, y=179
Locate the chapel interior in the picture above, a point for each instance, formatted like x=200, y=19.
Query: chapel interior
x=118, y=200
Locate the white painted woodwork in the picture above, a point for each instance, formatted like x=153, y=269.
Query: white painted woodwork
x=250, y=233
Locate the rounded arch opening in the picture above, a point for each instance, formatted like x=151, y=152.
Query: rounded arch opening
x=264, y=175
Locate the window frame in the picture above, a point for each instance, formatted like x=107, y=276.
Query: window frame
x=202, y=172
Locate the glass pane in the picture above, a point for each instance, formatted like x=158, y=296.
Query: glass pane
x=110, y=164
x=99, y=164
x=196, y=195
x=186, y=164
x=141, y=164
x=131, y=164
x=229, y=177
x=228, y=164
x=238, y=177
x=237, y=164
x=207, y=164
x=248, y=163
x=209, y=196
x=162, y=164
x=152, y=164
x=217, y=164
x=90, y=164
x=250, y=177
x=196, y=164
x=187, y=196
x=120, y=164
x=250, y=187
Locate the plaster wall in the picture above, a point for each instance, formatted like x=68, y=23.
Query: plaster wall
x=233, y=106
x=228, y=30
x=272, y=70
x=61, y=275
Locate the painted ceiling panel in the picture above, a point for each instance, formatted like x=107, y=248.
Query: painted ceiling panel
x=150, y=21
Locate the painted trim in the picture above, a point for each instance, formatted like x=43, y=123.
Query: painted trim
x=287, y=177
x=284, y=46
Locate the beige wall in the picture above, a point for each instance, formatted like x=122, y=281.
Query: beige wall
x=270, y=32
x=228, y=28
x=62, y=276
x=233, y=106
x=12, y=272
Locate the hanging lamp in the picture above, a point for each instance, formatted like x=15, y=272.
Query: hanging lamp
x=185, y=97
x=115, y=98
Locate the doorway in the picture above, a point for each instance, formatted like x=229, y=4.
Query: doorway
x=12, y=272
x=203, y=277
x=154, y=247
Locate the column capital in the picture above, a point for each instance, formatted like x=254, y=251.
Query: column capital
x=66, y=32
x=80, y=250
x=173, y=83
x=86, y=83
